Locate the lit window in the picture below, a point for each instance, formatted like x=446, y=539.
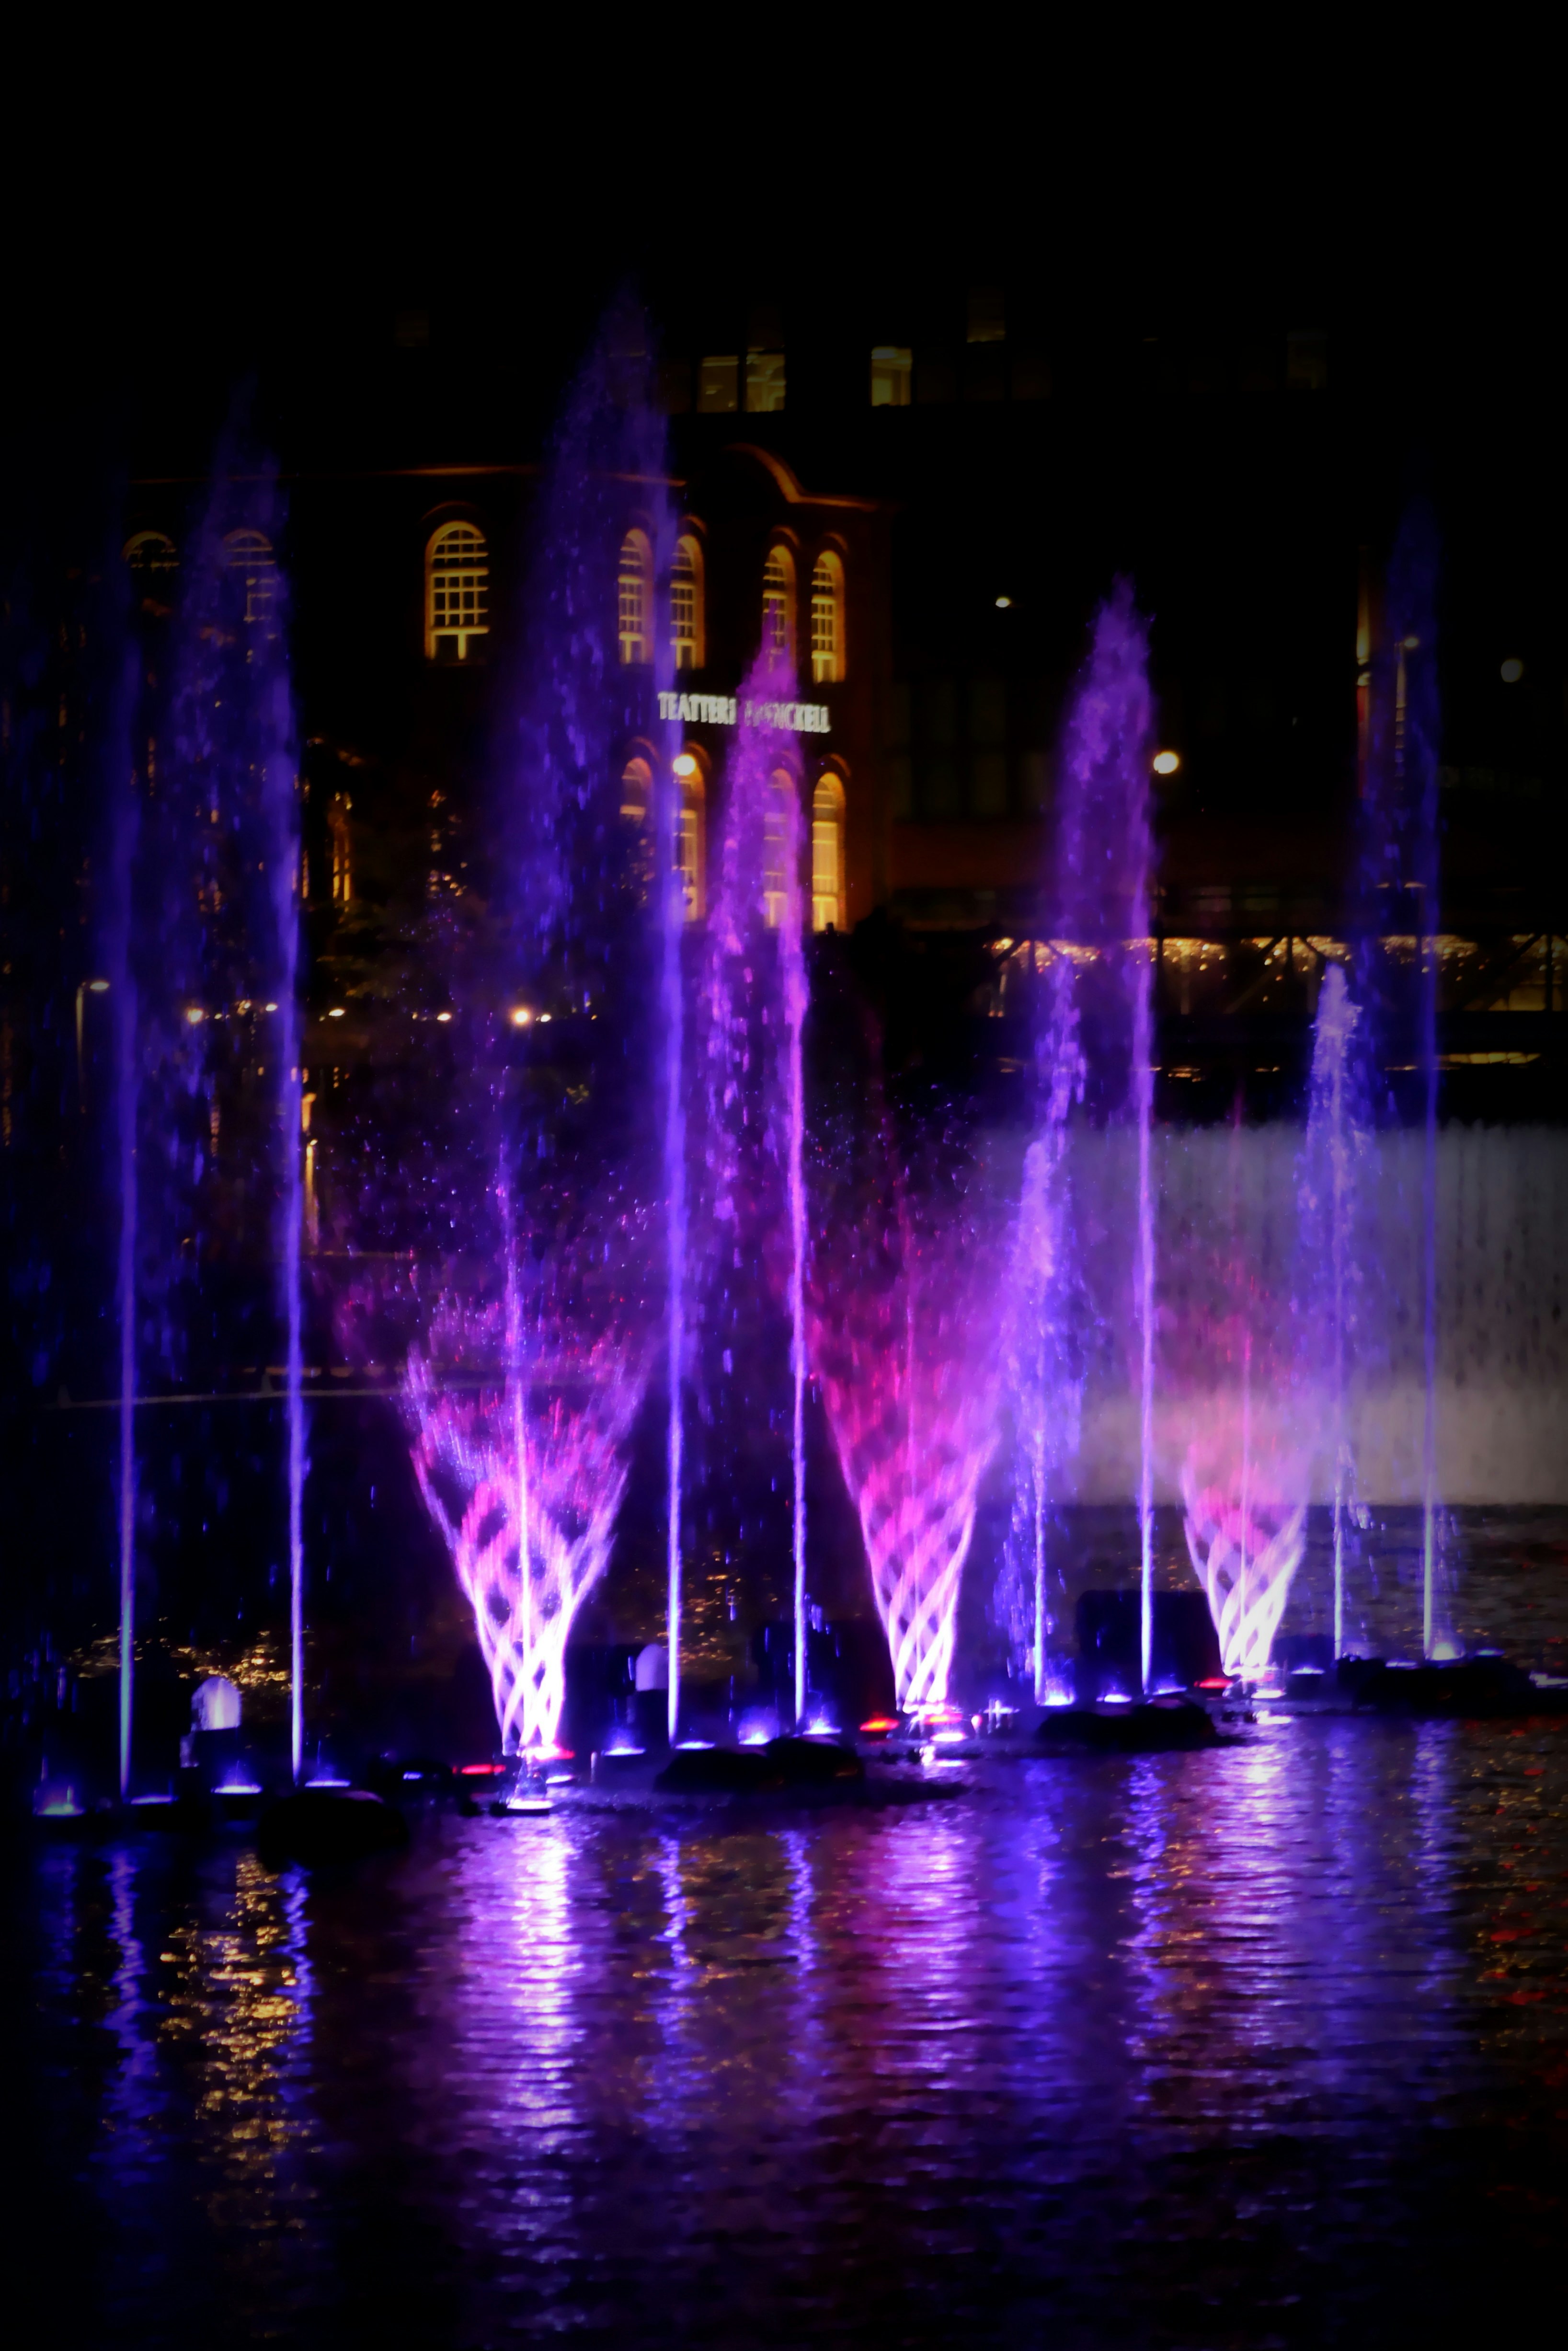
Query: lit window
x=250, y=554
x=764, y=382
x=827, y=855
x=632, y=596
x=828, y=620
x=718, y=383
x=692, y=845
x=636, y=790
x=892, y=367
x=457, y=591
x=152, y=560
x=777, y=831
x=342, y=863
x=686, y=605
x=778, y=605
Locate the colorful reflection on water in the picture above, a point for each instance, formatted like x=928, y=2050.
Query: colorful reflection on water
x=1231, y=2048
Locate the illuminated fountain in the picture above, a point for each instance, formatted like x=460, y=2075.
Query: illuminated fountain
x=754, y=994
x=203, y=951
x=1093, y=1051
x=1331, y=1181
x=906, y=1305
x=1398, y=888
x=522, y=1410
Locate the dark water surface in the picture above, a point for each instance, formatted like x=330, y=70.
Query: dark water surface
x=1265, y=2046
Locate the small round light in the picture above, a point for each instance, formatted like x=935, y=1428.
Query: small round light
x=1512, y=671
x=521, y=1015
x=269, y=1007
x=196, y=1015
x=1004, y=603
x=443, y=1016
x=98, y=987
x=1165, y=763
x=543, y=1017
x=686, y=765
x=335, y=1012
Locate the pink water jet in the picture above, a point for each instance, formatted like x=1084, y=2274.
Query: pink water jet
x=523, y=1472
x=904, y=1342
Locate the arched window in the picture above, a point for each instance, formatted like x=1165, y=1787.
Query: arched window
x=828, y=620
x=691, y=842
x=457, y=591
x=636, y=791
x=632, y=598
x=827, y=855
x=778, y=833
x=342, y=849
x=685, y=615
x=249, y=553
x=152, y=558
x=778, y=605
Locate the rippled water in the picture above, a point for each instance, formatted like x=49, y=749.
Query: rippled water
x=1255, y=2047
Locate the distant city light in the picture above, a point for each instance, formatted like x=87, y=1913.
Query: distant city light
x=1165, y=763
x=443, y=1016
x=335, y=1012
x=98, y=987
x=269, y=1007
x=1512, y=671
x=521, y=1015
x=686, y=765
x=1004, y=603
x=194, y=1015
x=544, y=1016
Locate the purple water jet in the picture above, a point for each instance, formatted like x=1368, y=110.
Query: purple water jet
x=1093, y=1052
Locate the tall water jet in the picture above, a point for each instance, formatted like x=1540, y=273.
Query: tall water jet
x=561, y=1115
x=126, y=1074
x=209, y=1022
x=1093, y=1054
x=755, y=995
x=1399, y=910
x=1330, y=1180
x=907, y=1281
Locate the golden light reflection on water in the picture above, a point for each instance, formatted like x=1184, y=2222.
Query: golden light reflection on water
x=236, y=2022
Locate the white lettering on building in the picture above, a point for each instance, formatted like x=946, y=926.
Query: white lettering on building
x=726, y=710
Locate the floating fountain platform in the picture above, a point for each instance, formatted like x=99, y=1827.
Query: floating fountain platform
x=784, y=1767
x=1157, y=1726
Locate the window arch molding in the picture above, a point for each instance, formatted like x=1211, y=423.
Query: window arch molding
x=828, y=803
x=457, y=586
x=249, y=554
x=828, y=651
x=779, y=590
x=633, y=597
x=688, y=600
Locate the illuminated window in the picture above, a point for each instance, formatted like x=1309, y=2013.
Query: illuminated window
x=457, y=591
x=250, y=554
x=827, y=855
x=692, y=843
x=632, y=598
x=778, y=605
x=828, y=620
x=686, y=614
x=892, y=367
x=764, y=382
x=636, y=791
x=778, y=829
x=342, y=863
x=718, y=385
x=152, y=560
